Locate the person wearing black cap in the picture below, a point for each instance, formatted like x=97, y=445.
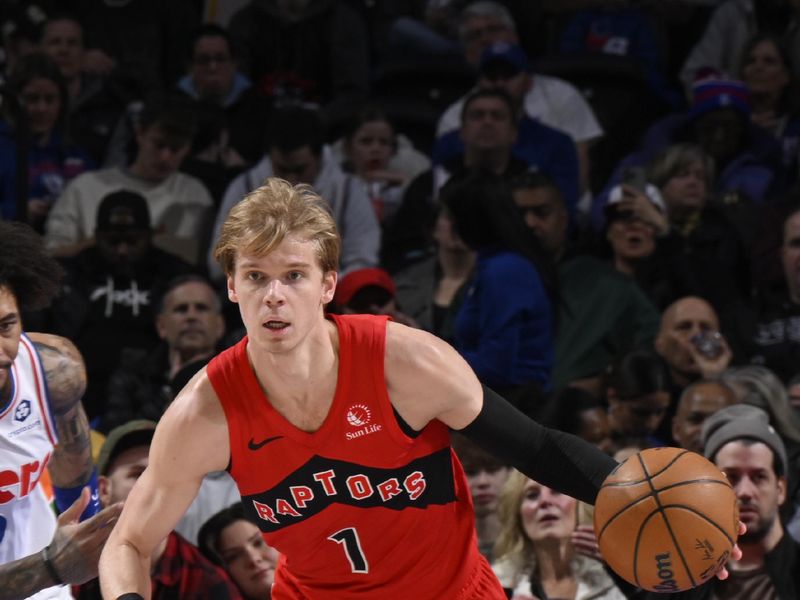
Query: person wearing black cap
x=107, y=301
x=742, y=443
x=178, y=567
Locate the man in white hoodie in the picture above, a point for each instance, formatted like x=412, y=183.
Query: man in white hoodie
x=296, y=152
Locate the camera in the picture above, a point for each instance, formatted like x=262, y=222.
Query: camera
x=708, y=343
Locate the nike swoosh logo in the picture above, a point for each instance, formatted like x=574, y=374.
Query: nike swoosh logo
x=252, y=445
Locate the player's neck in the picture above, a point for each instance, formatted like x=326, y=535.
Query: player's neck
x=304, y=376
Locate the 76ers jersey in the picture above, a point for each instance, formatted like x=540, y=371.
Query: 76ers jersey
x=27, y=437
x=358, y=508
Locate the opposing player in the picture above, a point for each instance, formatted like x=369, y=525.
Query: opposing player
x=42, y=426
x=335, y=429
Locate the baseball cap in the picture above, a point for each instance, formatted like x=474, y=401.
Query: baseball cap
x=741, y=421
x=717, y=92
x=122, y=211
x=503, y=52
x=652, y=193
x=138, y=432
x=356, y=280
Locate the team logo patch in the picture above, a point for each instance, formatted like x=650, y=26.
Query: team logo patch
x=23, y=411
x=358, y=415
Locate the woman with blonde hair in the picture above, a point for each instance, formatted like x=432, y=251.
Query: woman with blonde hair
x=543, y=550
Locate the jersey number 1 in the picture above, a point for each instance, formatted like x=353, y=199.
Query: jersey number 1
x=348, y=538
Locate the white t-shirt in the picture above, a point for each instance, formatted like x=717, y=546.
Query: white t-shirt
x=552, y=101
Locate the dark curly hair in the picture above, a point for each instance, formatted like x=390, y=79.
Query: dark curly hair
x=32, y=275
x=209, y=534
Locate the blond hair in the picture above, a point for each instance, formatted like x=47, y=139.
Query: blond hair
x=265, y=216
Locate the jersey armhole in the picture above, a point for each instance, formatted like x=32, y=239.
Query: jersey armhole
x=405, y=427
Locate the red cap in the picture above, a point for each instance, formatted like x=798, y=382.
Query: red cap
x=351, y=283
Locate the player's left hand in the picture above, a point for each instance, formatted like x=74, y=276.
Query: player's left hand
x=736, y=554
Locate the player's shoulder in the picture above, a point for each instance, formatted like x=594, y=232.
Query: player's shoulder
x=50, y=346
x=409, y=345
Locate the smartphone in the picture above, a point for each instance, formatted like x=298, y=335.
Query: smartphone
x=634, y=177
x=708, y=343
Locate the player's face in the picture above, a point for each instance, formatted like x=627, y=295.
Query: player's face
x=594, y=428
x=547, y=513
x=701, y=402
x=760, y=493
x=123, y=473
x=248, y=559
x=281, y=295
x=190, y=321
x=10, y=332
x=485, y=485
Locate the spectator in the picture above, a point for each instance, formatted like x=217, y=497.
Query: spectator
x=213, y=76
x=542, y=148
x=296, y=153
x=369, y=291
x=638, y=397
x=488, y=132
x=431, y=289
x=689, y=246
x=52, y=159
x=189, y=323
x=552, y=101
x=107, y=299
x=143, y=44
x=601, y=313
x=578, y=411
x=746, y=158
x=504, y=328
x=96, y=101
x=179, y=205
x=732, y=24
x=231, y=541
x=486, y=476
x=303, y=53
x=739, y=440
x=677, y=340
x=767, y=71
x=545, y=546
x=178, y=568
x=384, y=160
x=697, y=403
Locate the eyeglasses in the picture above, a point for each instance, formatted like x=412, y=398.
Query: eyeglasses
x=205, y=60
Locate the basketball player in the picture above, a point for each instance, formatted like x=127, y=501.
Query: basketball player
x=42, y=425
x=336, y=431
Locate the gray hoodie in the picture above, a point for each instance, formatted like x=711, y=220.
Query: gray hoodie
x=350, y=205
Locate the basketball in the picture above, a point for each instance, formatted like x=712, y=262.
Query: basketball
x=666, y=519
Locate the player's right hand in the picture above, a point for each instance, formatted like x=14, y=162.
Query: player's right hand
x=76, y=546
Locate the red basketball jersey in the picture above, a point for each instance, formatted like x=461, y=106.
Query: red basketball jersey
x=358, y=509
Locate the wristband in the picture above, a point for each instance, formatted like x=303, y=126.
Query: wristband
x=130, y=596
x=51, y=568
x=66, y=496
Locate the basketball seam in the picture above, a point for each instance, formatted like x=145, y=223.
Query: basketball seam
x=705, y=518
x=660, y=509
x=656, y=474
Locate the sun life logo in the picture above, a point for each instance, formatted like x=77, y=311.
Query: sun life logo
x=358, y=415
x=23, y=411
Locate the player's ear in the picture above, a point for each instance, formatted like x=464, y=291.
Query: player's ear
x=329, y=280
x=231, y=289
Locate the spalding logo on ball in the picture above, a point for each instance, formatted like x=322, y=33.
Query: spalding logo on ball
x=358, y=415
x=666, y=519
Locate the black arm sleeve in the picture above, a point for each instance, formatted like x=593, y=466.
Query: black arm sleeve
x=556, y=459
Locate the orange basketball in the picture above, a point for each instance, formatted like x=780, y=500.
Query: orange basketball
x=666, y=519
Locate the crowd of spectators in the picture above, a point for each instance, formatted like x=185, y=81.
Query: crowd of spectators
x=597, y=202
